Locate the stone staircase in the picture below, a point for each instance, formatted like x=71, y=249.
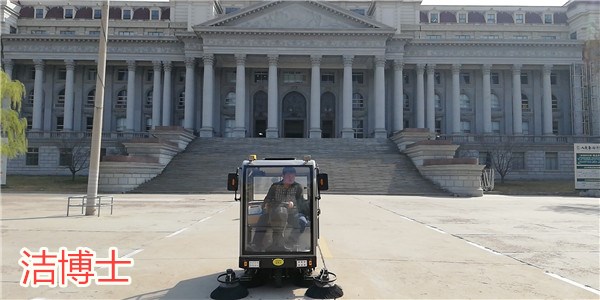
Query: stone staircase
x=355, y=166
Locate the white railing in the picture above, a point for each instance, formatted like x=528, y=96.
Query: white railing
x=518, y=139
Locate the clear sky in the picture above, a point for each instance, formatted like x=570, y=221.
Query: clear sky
x=496, y=2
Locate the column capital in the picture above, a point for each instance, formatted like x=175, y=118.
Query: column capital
x=131, y=65
x=430, y=67
x=398, y=64
x=167, y=65
x=516, y=68
x=70, y=64
x=208, y=58
x=420, y=68
x=315, y=60
x=240, y=59
x=157, y=64
x=456, y=68
x=39, y=64
x=273, y=59
x=487, y=68
x=547, y=68
x=380, y=61
x=190, y=62
x=348, y=59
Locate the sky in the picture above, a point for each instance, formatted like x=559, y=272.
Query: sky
x=496, y=2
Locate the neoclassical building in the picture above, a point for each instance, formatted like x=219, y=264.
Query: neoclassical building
x=307, y=69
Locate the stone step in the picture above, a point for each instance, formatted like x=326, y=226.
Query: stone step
x=355, y=166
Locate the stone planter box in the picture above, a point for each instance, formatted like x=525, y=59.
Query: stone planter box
x=175, y=134
x=430, y=149
x=120, y=175
x=411, y=135
x=460, y=176
x=163, y=150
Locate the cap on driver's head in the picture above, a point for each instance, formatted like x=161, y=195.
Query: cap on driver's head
x=288, y=170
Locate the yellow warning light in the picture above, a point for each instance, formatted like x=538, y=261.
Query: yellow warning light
x=245, y=264
x=252, y=157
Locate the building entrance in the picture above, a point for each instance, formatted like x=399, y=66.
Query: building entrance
x=293, y=115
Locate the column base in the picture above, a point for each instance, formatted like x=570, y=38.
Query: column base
x=347, y=133
x=206, y=132
x=272, y=133
x=239, y=132
x=381, y=134
x=315, y=133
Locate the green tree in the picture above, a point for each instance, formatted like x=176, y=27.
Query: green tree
x=12, y=126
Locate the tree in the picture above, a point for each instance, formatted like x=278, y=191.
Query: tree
x=75, y=155
x=501, y=158
x=12, y=126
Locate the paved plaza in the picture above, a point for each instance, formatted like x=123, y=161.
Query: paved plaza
x=380, y=247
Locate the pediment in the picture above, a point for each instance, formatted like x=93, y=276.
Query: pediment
x=295, y=16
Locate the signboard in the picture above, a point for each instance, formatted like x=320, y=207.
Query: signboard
x=587, y=166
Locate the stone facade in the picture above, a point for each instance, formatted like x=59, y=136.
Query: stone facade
x=310, y=69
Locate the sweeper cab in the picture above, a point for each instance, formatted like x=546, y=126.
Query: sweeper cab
x=279, y=227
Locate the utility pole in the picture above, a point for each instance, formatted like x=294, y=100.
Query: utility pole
x=92, y=188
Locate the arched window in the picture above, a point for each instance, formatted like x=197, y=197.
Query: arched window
x=230, y=99
x=60, y=100
x=91, y=98
x=406, y=103
x=465, y=102
x=554, y=103
x=121, y=99
x=495, y=102
x=524, y=102
x=438, y=102
x=358, y=102
x=148, y=104
x=181, y=101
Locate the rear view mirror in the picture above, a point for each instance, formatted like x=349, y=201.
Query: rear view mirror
x=322, y=182
x=232, y=182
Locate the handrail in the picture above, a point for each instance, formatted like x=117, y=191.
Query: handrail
x=518, y=139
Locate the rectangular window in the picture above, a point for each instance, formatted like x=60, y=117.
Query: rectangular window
x=155, y=33
x=465, y=126
x=490, y=18
x=519, y=18
x=67, y=32
x=39, y=13
x=462, y=17
x=154, y=14
x=360, y=11
x=60, y=123
x=438, y=126
x=358, y=127
x=261, y=76
x=521, y=37
x=91, y=74
x=62, y=74
x=39, y=32
x=29, y=122
x=148, y=123
x=495, y=78
x=496, y=127
x=181, y=76
x=229, y=10
x=358, y=78
x=328, y=78
x=230, y=76
x=406, y=78
x=434, y=18
x=293, y=77
x=548, y=18
x=32, y=157
x=555, y=127
x=573, y=35
x=94, y=32
x=97, y=14
x=121, y=74
x=551, y=160
x=549, y=37
x=68, y=13
x=518, y=161
x=490, y=37
x=89, y=123
x=126, y=33
x=554, y=103
x=524, y=78
x=466, y=78
x=525, y=127
x=463, y=37
x=434, y=36
x=126, y=15
x=553, y=78
x=121, y=124
x=437, y=77
x=65, y=157
x=149, y=75
x=525, y=104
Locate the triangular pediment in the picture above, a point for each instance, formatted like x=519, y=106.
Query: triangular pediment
x=296, y=16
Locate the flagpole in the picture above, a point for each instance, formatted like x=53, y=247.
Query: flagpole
x=94, y=169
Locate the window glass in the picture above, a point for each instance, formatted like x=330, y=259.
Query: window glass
x=358, y=127
x=495, y=102
x=524, y=102
x=465, y=102
x=551, y=160
x=68, y=13
x=32, y=157
x=327, y=78
x=272, y=224
x=121, y=102
x=358, y=78
x=126, y=14
x=97, y=13
x=524, y=78
x=548, y=19
x=154, y=14
x=465, y=126
x=462, y=17
x=434, y=18
x=121, y=124
x=358, y=102
x=491, y=18
x=39, y=13
x=65, y=157
x=518, y=160
x=438, y=102
x=519, y=18
x=261, y=76
x=495, y=78
x=496, y=127
x=230, y=99
x=181, y=102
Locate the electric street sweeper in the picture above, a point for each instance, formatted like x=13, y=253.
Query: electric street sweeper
x=279, y=227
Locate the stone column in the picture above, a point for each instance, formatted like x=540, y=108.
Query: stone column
x=516, y=103
x=156, y=94
x=576, y=72
x=347, y=131
x=547, y=100
x=207, y=96
x=272, y=112
x=487, y=99
x=430, y=98
x=380, y=131
x=420, y=103
x=130, y=112
x=69, y=82
x=315, y=97
x=190, y=87
x=167, y=106
x=38, y=92
x=456, y=98
x=240, y=96
x=398, y=96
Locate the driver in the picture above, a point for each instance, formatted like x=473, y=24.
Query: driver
x=283, y=204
